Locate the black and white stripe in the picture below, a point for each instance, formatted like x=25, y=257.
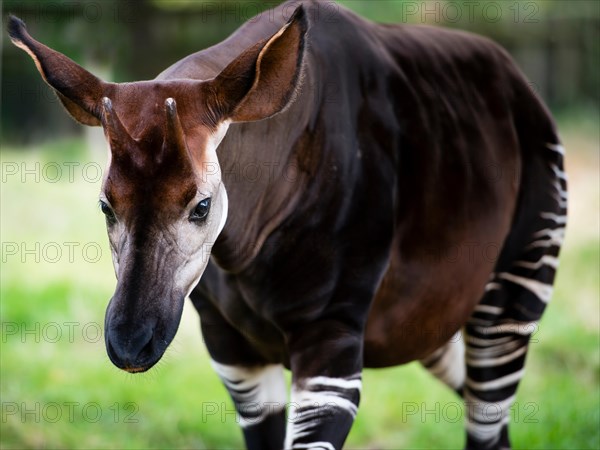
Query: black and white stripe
x=256, y=392
x=448, y=362
x=498, y=333
x=321, y=410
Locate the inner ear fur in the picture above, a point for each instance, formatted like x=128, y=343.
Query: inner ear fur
x=262, y=80
x=78, y=90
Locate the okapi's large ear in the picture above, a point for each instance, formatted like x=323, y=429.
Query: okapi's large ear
x=262, y=80
x=79, y=91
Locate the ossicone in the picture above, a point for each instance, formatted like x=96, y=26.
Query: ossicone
x=118, y=136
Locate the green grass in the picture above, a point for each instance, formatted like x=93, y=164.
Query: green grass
x=172, y=406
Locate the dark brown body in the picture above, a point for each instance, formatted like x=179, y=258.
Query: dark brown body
x=438, y=162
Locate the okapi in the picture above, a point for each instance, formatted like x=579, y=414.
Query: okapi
x=392, y=150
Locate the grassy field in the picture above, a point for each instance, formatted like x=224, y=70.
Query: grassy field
x=59, y=390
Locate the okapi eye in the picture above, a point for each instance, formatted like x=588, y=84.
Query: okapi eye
x=108, y=212
x=200, y=211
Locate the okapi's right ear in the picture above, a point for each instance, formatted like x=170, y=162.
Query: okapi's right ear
x=79, y=91
x=263, y=79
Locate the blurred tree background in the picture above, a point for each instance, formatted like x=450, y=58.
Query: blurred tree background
x=556, y=43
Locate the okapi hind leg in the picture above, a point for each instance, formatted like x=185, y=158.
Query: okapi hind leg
x=496, y=347
x=498, y=333
x=447, y=363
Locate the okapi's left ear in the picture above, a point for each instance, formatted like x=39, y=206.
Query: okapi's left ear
x=262, y=80
x=79, y=91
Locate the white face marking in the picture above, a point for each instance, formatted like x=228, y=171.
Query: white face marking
x=187, y=243
x=200, y=242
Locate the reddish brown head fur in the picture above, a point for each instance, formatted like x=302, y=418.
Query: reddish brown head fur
x=163, y=195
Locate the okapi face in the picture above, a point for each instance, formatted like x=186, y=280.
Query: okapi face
x=163, y=196
x=165, y=205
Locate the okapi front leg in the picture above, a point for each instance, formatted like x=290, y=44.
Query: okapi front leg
x=326, y=388
x=322, y=410
x=259, y=395
x=257, y=388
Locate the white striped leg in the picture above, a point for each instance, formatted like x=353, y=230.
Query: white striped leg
x=256, y=392
x=496, y=338
x=448, y=363
x=321, y=412
x=498, y=333
x=496, y=341
x=495, y=362
x=259, y=395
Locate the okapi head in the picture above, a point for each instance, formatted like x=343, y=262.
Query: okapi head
x=162, y=192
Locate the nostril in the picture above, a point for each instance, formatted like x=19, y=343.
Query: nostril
x=127, y=349
x=142, y=339
x=148, y=348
